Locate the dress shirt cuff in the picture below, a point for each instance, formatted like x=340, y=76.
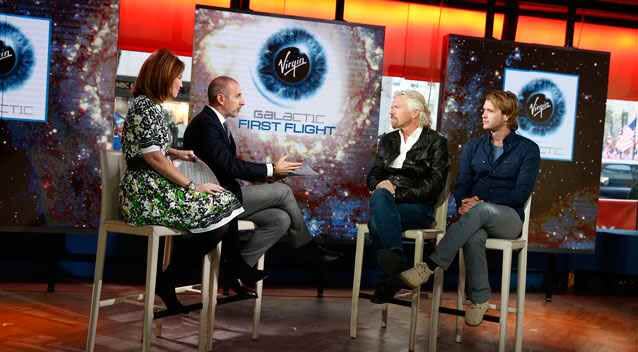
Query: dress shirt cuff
x=269, y=170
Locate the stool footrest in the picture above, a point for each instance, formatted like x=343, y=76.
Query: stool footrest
x=168, y=313
x=452, y=311
x=399, y=302
x=233, y=298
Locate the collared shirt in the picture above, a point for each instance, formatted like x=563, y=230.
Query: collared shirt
x=508, y=180
x=270, y=170
x=406, y=145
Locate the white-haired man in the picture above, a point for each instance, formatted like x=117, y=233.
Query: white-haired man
x=409, y=172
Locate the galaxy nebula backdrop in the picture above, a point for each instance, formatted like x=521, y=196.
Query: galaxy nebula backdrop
x=312, y=91
x=564, y=204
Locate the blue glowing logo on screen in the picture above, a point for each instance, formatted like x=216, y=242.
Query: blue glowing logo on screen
x=16, y=58
x=548, y=103
x=292, y=65
x=543, y=107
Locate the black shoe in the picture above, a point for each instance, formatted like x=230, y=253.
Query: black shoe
x=246, y=275
x=316, y=254
x=238, y=288
x=327, y=255
x=384, y=293
x=391, y=262
x=165, y=289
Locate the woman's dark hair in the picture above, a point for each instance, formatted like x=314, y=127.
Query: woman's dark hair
x=157, y=75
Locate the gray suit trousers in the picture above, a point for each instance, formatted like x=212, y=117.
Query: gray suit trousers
x=275, y=212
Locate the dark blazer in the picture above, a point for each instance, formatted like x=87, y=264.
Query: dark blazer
x=508, y=180
x=205, y=135
x=424, y=171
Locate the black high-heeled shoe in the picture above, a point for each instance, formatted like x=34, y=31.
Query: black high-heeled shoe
x=235, y=284
x=249, y=276
x=165, y=289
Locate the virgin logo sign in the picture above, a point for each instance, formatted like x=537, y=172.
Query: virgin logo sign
x=292, y=66
x=540, y=108
x=7, y=59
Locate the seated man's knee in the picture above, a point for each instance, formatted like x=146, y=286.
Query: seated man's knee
x=282, y=190
x=279, y=218
x=380, y=196
x=483, y=209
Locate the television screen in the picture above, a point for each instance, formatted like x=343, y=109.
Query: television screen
x=312, y=91
x=548, y=109
x=24, y=67
x=57, y=68
x=620, y=132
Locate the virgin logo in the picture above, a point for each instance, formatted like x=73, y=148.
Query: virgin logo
x=287, y=65
x=8, y=59
x=538, y=106
x=6, y=54
x=292, y=66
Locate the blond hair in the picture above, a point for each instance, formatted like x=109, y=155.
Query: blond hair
x=507, y=102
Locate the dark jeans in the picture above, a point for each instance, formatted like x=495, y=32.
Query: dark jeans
x=388, y=219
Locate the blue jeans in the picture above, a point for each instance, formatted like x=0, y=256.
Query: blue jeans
x=389, y=218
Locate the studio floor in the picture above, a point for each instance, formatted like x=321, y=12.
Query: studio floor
x=295, y=320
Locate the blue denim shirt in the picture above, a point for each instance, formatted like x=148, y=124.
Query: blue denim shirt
x=508, y=180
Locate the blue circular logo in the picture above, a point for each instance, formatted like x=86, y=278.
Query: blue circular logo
x=16, y=57
x=543, y=107
x=291, y=66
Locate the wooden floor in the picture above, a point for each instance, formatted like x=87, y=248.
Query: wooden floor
x=294, y=320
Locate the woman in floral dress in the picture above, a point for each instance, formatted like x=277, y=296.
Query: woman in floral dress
x=153, y=191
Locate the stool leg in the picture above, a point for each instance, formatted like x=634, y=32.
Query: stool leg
x=97, y=288
x=149, y=295
x=520, y=298
x=204, y=322
x=166, y=261
x=257, y=307
x=460, y=297
x=437, y=290
x=436, y=304
x=356, y=282
x=215, y=261
x=384, y=315
x=416, y=293
x=505, y=292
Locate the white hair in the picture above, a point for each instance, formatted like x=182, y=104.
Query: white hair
x=416, y=102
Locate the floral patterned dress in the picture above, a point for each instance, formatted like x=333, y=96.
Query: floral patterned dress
x=148, y=198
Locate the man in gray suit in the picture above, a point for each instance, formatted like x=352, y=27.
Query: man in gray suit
x=271, y=206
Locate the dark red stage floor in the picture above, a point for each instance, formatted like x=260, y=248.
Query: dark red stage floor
x=294, y=320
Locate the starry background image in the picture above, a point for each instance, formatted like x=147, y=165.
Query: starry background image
x=335, y=200
x=50, y=171
x=564, y=205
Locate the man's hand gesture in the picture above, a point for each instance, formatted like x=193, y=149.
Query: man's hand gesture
x=283, y=167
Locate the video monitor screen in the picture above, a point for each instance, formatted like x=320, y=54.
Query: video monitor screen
x=312, y=91
x=548, y=109
x=24, y=67
x=620, y=139
x=58, y=61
